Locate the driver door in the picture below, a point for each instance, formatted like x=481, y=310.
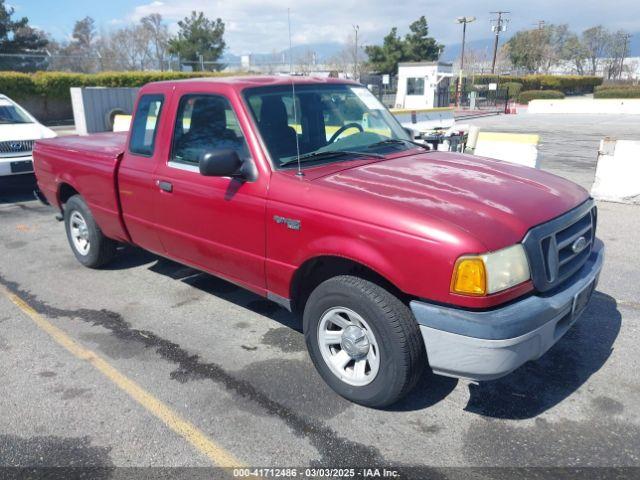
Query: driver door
x=215, y=224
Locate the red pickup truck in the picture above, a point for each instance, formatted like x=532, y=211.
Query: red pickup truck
x=310, y=193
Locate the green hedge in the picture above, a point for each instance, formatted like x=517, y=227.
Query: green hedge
x=57, y=84
x=528, y=95
x=617, y=86
x=513, y=88
x=569, y=84
x=622, y=92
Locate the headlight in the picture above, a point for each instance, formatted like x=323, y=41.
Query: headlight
x=490, y=273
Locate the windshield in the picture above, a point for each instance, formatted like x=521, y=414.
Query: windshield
x=9, y=113
x=331, y=122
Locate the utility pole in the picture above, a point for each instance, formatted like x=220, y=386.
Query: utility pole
x=499, y=25
x=540, y=24
x=463, y=21
x=356, y=77
x=625, y=37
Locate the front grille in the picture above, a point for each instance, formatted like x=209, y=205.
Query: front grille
x=557, y=249
x=16, y=146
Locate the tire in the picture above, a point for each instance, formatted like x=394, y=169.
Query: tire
x=110, y=117
x=88, y=243
x=397, y=342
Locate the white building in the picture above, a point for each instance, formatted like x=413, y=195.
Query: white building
x=630, y=71
x=423, y=85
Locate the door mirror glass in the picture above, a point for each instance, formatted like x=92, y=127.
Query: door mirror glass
x=221, y=163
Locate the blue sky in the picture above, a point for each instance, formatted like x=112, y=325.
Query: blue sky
x=260, y=25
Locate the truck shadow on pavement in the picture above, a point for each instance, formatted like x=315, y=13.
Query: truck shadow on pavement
x=529, y=391
x=430, y=389
x=540, y=385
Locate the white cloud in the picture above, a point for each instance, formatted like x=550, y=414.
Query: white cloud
x=261, y=25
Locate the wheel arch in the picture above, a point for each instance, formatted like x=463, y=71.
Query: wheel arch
x=65, y=192
x=317, y=269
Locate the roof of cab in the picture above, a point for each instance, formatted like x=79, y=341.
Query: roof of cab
x=257, y=81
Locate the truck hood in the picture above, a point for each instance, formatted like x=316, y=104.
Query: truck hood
x=495, y=202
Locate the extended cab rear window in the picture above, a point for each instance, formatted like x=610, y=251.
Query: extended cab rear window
x=145, y=124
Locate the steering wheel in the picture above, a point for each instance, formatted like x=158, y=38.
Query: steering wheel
x=343, y=128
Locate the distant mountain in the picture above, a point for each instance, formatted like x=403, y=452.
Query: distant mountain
x=323, y=51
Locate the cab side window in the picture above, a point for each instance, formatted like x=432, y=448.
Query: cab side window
x=206, y=124
x=145, y=125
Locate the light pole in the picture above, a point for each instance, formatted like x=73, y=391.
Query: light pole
x=356, y=77
x=463, y=21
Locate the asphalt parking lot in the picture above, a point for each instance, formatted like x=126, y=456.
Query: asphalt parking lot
x=151, y=364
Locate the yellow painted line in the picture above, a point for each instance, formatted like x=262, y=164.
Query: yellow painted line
x=218, y=455
x=530, y=139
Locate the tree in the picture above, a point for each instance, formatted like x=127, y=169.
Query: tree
x=416, y=46
x=81, y=54
x=349, y=57
x=575, y=53
x=140, y=46
x=526, y=50
x=199, y=38
x=595, y=41
x=539, y=49
x=615, y=51
x=17, y=36
x=385, y=58
x=84, y=34
x=129, y=48
x=159, y=35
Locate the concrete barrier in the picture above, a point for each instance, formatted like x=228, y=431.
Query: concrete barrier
x=618, y=171
x=586, y=105
x=121, y=123
x=518, y=148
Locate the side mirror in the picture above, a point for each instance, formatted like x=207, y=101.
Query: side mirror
x=222, y=163
x=411, y=132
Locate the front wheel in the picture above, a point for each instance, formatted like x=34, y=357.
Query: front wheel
x=363, y=341
x=88, y=243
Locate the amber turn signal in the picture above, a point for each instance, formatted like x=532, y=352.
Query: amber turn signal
x=469, y=276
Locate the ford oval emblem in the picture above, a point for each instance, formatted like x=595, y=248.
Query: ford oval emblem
x=579, y=245
x=16, y=147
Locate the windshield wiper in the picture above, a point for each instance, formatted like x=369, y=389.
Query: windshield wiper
x=329, y=154
x=397, y=141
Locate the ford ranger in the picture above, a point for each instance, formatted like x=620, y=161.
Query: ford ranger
x=308, y=192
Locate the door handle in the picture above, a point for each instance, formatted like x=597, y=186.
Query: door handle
x=164, y=185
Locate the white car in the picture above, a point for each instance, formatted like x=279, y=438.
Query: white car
x=18, y=131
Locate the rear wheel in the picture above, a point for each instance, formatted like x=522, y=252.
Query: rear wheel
x=363, y=341
x=88, y=243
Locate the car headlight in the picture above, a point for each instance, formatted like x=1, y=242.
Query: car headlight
x=490, y=273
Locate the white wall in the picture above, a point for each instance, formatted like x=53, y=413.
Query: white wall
x=600, y=105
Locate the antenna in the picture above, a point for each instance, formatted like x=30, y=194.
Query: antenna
x=293, y=95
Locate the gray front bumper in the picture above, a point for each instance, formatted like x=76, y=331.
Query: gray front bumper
x=484, y=345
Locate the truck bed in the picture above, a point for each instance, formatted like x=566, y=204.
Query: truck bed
x=86, y=164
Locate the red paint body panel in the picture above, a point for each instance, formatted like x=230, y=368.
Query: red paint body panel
x=408, y=216
x=87, y=164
